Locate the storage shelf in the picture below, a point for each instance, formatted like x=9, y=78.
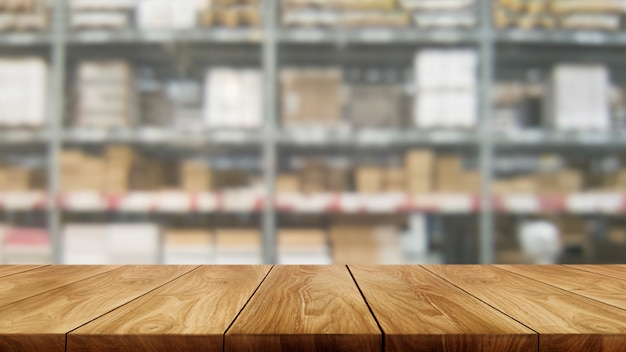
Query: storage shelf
x=25, y=39
x=584, y=38
x=132, y=36
x=376, y=36
x=248, y=201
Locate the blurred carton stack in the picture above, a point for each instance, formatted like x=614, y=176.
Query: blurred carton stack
x=24, y=15
x=232, y=98
x=101, y=14
x=578, y=98
x=81, y=172
x=105, y=94
x=376, y=98
x=365, y=245
x=446, y=88
x=238, y=246
x=419, y=171
x=26, y=246
x=189, y=247
x=313, y=176
x=453, y=177
x=287, y=183
x=311, y=97
x=23, y=96
x=230, y=13
x=17, y=178
x=442, y=13
x=559, y=14
x=344, y=13
x=118, y=163
x=195, y=177
x=369, y=179
x=303, y=246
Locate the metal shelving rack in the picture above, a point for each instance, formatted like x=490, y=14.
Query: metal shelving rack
x=269, y=39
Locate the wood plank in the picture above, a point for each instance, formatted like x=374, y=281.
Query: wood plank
x=419, y=311
x=6, y=270
x=305, y=308
x=595, y=286
x=191, y=313
x=565, y=321
x=41, y=323
x=31, y=283
x=616, y=271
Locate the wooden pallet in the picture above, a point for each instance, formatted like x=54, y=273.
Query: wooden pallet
x=313, y=308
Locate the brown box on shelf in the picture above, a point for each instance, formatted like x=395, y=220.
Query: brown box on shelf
x=223, y=179
x=15, y=179
x=369, y=179
x=419, y=162
x=570, y=181
x=470, y=182
x=119, y=155
x=313, y=176
x=377, y=106
x=287, y=183
x=311, y=97
x=195, y=177
x=338, y=179
x=365, y=245
x=617, y=235
x=395, y=180
x=416, y=184
x=302, y=238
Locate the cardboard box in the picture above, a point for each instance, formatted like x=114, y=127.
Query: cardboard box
x=395, y=180
x=195, y=177
x=369, y=180
x=23, y=87
x=311, y=97
x=366, y=245
x=377, y=106
x=287, y=183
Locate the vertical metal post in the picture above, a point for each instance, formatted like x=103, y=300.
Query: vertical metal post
x=270, y=101
x=57, y=106
x=487, y=66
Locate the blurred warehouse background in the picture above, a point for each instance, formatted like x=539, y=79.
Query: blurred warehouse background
x=312, y=131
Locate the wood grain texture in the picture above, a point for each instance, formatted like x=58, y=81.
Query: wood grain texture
x=41, y=323
x=191, y=313
x=305, y=308
x=595, y=286
x=6, y=270
x=31, y=283
x=419, y=311
x=565, y=321
x=616, y=271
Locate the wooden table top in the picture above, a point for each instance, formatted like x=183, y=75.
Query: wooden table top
x=313, y=308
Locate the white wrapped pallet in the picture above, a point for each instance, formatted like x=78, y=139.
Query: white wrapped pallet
x=23, y=97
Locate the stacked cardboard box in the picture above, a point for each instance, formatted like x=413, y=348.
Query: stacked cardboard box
x=109, y=14
x=442, y=14
x=313, y=176
x=419, y=171
x=303, y=246
x=369, y=179
x=366, y=245
x=311, y=97
x=287, y=183
x=80, y=172
x=395, y=180
x=16, y=178
x=232, y=98
x=559, y=14
x=578, y=98
x=105, y=95
x=195, y=177
x=26, y=246
x=231, y=13
x=118, y=163
x=23, y=96
x=24, y=15
x=377, y=105
x=189, y=247
x=238, y=246
x=446, y=88
x=344, y=13
x=452, y=177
